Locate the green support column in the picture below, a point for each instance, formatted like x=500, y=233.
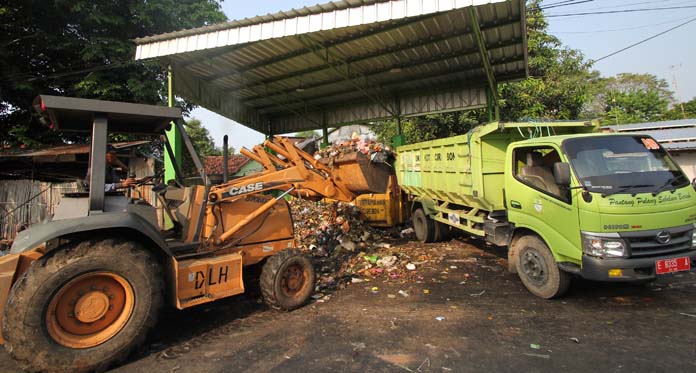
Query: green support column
x=325, y=136
x=489, y=104
x=398, y=140
x=324, y=132
x=173, y=136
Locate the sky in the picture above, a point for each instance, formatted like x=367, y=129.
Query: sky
x=671, y=56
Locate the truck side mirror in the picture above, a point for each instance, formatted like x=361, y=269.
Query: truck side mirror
x=561, y=172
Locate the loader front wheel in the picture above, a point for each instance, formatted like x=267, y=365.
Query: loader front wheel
x=84, y=307
x=287, y=280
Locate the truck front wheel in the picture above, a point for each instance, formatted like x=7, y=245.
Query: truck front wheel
x=424, y=227
x=538, y=270
x=287, y=280
x=84, y=307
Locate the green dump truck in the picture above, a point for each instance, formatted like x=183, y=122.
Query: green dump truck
x=564, y=200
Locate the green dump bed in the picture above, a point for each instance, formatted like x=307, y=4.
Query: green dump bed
x=468, y=169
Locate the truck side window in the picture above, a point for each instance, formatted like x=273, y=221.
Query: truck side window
x=534, y=167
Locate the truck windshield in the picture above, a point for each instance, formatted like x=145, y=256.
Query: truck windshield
x=623, y=164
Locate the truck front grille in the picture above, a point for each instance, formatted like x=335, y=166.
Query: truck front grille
x=647, y=243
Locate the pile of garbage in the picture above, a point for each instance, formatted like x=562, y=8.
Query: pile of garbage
x=376, y=151
x=345, y=250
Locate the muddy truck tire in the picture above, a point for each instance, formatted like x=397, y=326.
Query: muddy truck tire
x=538, y=270
x=423, y=226
x=287, y=280
x=84, y=307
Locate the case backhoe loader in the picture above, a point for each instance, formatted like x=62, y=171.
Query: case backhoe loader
x=81, y=291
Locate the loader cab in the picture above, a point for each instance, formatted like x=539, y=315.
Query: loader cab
x=183, y=197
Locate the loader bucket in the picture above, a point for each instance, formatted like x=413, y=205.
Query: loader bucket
x=358, y=174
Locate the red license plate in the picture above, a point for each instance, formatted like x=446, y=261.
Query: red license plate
x=663, y=266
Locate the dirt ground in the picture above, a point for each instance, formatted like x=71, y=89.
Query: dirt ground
x=465, y=314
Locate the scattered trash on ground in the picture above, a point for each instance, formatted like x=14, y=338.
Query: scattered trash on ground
x=543, y=356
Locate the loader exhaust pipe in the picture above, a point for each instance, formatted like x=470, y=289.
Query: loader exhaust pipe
x=225, y=158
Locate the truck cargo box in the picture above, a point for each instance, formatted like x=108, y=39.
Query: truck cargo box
x=468, y=169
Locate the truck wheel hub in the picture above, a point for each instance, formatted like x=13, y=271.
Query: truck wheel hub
x=534, y=267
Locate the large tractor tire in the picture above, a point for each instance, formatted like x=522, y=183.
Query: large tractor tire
x=538, y=269
x=287, y=280
x=84, y=307
x=423, y=226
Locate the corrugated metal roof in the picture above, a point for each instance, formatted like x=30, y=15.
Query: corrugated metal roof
x=671, y=134
x=347, y=61
x=70, y=149
x=652, y=125
x=682, y=145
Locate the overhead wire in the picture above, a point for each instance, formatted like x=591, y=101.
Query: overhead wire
x=623, y=29
x=645, y=40
x=619, y=11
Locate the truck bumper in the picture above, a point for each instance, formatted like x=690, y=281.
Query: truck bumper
x=633, y=269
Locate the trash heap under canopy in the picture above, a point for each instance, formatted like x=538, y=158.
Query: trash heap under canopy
x=349, y=61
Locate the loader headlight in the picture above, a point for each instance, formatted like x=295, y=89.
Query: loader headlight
x=605, y=246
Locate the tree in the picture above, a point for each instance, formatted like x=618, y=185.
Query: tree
x=632, y=98
x=307, y=134
x=83, y=48
x=689, y=110
x=560, y=79
x=201, y=139
x=429, y=127
x=559, y=85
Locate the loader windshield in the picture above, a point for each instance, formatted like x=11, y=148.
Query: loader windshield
x=623, y=164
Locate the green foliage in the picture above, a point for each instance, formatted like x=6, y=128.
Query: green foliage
x=83, y=48
x=559, y=83
x=559, y=87
x=307, y=134
x=632, y=98
x=429, y=127
x=689, y=111
x=201, y=139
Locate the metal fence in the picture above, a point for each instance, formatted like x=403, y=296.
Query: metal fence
x=26, y=202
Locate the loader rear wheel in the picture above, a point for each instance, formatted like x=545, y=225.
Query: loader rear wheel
x=84, y=307
x=287, y=280
x=538, y=270
x=424, y=226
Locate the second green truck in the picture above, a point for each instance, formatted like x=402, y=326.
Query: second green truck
x=564, y=200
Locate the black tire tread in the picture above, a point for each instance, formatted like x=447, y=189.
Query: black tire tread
x=428, y=226
x=562, y=278
x=21, y=342
x=268, y=278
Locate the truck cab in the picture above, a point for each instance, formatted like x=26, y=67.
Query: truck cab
x=607, y=207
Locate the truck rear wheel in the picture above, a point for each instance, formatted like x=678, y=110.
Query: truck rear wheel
x=287, y=280
x=84, y=307
x=424, y=227
x=442, y=231
x=538, y=269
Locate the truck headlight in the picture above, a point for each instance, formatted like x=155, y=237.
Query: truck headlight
x=693, y=236
x=605, y=246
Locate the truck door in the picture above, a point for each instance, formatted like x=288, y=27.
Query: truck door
x=535, y=201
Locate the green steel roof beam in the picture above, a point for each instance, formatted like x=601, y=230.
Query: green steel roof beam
x=483, y=52
x=339, y=65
